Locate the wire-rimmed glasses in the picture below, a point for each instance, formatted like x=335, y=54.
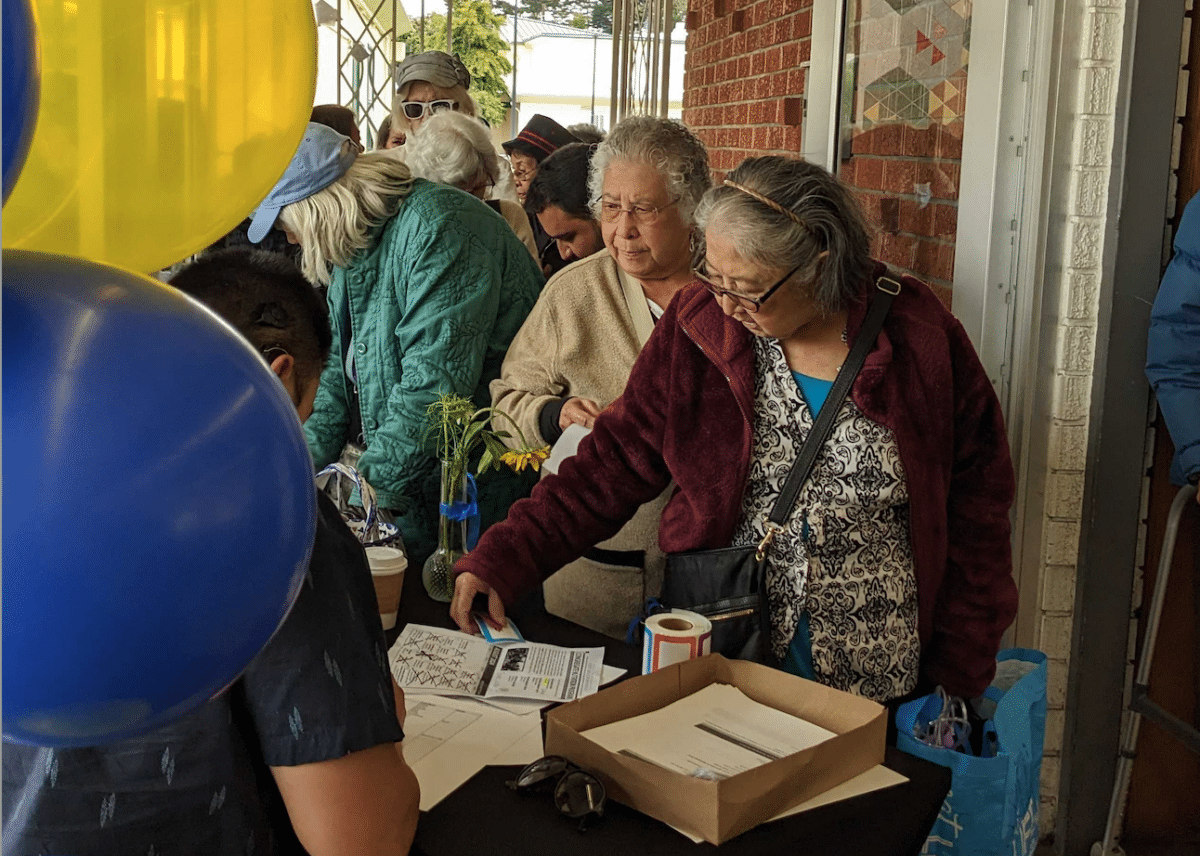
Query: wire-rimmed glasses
x=642, y=215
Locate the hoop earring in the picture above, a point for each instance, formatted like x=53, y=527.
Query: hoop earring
x=692, y=243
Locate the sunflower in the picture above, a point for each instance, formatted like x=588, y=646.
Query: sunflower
x=533, y=457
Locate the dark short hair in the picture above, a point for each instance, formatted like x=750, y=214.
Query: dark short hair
x=267, y=299
x=562, y=180
x=335, y=116
x=384, y=132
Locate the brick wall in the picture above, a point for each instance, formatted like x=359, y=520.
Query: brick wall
x=744, y=89
x=743, y=81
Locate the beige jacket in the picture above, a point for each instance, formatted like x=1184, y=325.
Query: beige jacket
x=581, y=339
x=518, y=220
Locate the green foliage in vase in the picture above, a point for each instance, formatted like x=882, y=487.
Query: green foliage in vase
x=457, y=429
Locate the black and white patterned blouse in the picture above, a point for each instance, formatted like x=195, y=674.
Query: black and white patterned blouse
x=845, y=554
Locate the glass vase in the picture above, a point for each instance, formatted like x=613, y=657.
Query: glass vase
x=438, y=573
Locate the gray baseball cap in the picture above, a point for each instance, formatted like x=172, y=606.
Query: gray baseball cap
x=436, y=67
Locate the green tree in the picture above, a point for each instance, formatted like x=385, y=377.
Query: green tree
x=574, y=13
x=602, y=16
x=582, y=14
x=478, y=43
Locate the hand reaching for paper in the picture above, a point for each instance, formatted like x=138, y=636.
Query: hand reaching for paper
x=466, y=586
x=581, y=411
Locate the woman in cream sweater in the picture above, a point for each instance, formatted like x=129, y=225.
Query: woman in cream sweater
x=574, y=353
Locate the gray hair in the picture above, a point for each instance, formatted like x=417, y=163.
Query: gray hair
x=334, y=224
x=671, y=149
x=820, y=216
x=453, y=149
x=466, y=104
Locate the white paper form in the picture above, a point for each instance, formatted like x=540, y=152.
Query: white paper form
x=525, y=751
x=715, y=733
x=432, y=660
x=874, y=779
x=566, y=446
x=428, y=726
x=448, y=740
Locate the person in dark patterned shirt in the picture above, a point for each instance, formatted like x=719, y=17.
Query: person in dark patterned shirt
x=302, y=752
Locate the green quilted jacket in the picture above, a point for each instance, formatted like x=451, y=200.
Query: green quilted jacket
x=430, y=308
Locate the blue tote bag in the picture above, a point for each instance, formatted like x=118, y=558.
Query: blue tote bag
x=992, y=807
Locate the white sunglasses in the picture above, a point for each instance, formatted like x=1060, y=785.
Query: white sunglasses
x=421, y=109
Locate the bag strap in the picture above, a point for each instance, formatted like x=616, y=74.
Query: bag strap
x=886, y=289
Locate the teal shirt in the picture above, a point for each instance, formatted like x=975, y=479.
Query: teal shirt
x=430, y=308
x=798, y=659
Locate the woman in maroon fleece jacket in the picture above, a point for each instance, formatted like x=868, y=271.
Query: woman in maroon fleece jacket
x=895, y=566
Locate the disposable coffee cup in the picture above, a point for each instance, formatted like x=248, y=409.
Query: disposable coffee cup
x=387, y=572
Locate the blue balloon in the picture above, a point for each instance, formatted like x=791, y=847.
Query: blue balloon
x=159, y=505
x=20, y=80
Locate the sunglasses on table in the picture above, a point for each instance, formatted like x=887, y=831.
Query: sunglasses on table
x=577, y=793
x=420, y=109
x=750, y=304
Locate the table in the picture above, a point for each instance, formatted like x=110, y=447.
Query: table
x=484, y=816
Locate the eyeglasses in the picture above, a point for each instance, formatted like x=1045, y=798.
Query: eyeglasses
x=421, y=109
x=642, y=215
x=750, y=304
x=524, y=174
x=577, y=793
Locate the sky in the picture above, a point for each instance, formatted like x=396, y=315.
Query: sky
x=413, y=7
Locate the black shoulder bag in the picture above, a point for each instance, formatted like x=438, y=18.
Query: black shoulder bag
x=728, y=585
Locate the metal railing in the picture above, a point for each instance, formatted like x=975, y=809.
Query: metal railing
x=641, y=60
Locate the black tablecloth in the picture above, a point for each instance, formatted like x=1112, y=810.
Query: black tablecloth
x=483, y=816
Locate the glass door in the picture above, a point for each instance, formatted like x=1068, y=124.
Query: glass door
x=900, y=139
x=921, y=106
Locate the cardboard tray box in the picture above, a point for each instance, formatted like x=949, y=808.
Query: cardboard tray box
x=720, y=810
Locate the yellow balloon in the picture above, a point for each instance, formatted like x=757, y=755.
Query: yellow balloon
x=162, y=124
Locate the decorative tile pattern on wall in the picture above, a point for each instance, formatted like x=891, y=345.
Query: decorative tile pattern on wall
x=904, y=100
x=905, y=46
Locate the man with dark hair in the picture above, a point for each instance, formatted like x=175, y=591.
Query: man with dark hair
x=301, y=753
x=340, y=118
x=273, y=306
x=558, y=198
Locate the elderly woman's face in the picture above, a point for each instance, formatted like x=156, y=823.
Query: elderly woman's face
x=783, y=314
x=646, y=235
x=524, y=168
x=426, y=93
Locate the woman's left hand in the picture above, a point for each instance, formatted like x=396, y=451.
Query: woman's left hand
x=466, y=586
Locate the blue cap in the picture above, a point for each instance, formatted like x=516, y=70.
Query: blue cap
x=323, y=157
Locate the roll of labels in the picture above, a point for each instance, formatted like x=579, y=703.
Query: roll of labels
x=672, y=637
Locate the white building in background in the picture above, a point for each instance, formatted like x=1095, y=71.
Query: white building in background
x=566, y=73
x=561, y=72
x=355, y=50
